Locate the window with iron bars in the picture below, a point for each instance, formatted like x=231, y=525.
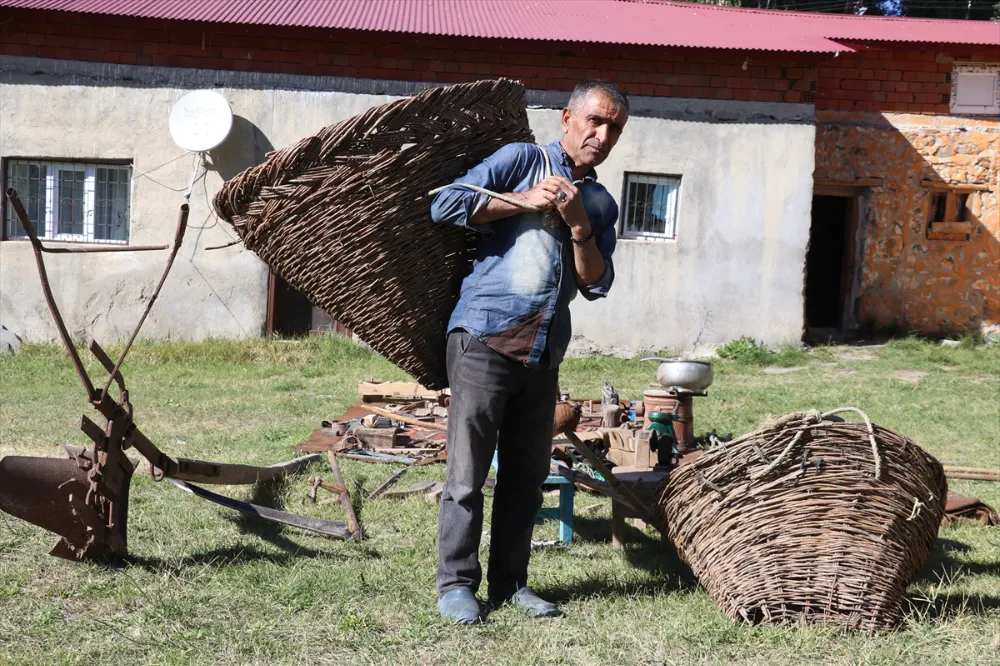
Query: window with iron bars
x=650, y=206
x=70, y=201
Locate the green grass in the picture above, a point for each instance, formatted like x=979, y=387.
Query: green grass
x=207, y=586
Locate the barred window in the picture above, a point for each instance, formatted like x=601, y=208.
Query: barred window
x=650, y=206
x=70, y=201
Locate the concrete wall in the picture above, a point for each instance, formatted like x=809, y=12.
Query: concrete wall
x=736, y=267
x=64, y=109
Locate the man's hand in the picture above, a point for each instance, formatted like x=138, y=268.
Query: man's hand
x=543, y=195
x=556, y=192
x=553, y=193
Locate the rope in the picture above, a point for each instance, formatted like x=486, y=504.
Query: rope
x=808, y=426
x=483, y=190
x=777, y=461
x=871, y=435
x=502, y=197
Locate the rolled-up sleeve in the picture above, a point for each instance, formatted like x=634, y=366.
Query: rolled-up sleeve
x=456, y=205
x=606, y=239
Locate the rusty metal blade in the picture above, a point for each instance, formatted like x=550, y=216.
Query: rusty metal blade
x=234, y=474
x=37, y=490
x=330, y=528
x=51, y=493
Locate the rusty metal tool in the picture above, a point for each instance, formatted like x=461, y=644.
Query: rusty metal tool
x=388, y=483
x=345, y=498
x=317, y=482
x=330, y=528
x=368, y=456
x=439, y=457
x=84, y=500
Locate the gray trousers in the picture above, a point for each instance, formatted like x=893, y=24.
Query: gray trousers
x=497, y=404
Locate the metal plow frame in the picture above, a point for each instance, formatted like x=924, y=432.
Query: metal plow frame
x=84, y=499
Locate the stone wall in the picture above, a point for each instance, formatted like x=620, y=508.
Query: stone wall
x=910, y=281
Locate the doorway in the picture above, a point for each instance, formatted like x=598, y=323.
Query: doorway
x=290, y=314
x=830, y=266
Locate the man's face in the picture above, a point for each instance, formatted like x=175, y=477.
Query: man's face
x=592, y=130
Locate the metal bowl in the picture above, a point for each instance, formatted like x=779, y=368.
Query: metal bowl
x=679, y=373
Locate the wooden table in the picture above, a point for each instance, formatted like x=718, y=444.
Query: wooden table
x=643, y=481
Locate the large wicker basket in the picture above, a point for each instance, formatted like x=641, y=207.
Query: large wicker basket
x=344, y=215
x=807, y=520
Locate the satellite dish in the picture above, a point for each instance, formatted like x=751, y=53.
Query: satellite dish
x=200, y=120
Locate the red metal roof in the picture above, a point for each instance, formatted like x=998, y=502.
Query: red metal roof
x=637, y=22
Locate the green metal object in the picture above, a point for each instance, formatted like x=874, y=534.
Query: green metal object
x=662, y=423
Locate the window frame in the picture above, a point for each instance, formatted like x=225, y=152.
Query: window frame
x=648, y=178
x=960, y=69
x=53, y=166
x=952, y=227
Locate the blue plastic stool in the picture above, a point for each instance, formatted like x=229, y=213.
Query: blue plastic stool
x=564, y=512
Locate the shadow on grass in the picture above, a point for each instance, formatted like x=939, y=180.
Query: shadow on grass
x=658, y=558
x=643, y=551
x=219, y=557
x=272, y=495
x=236, y=556
x=943, y=569
x=942, y=560
x=948, y=606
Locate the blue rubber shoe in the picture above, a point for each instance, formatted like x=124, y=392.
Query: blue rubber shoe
x=532, y=604
x=459, y=606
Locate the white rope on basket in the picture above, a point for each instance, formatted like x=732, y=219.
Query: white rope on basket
x=502, y=197
x=871, y=435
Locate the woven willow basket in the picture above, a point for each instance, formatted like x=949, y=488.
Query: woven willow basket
x=810, y=519
x=344, y=216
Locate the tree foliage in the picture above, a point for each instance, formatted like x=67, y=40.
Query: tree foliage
x=981, y=10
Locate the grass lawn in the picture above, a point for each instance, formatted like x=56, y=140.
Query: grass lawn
x=208, y=586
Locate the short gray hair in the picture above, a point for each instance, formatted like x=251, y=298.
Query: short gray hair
x=585, y=89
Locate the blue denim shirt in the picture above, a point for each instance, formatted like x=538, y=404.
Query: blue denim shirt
x=516, y=299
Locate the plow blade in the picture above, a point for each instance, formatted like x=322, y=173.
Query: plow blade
x=51, y=493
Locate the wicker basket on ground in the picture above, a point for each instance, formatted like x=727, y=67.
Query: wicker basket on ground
x=809, y=519
x=344, y=216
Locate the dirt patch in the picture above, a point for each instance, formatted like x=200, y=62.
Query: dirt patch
x=857, y=356
x=782, y=371
x=910, y=376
